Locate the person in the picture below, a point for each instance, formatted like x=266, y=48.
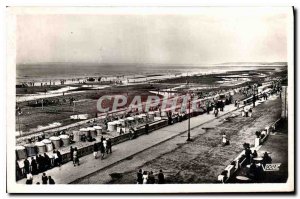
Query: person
x=52, y=160
x=224, y=139
x=180, y=118
x=105, y=144
x=222, y=105
x=75, y=157
x=145, y=177
x=71, y=136
x=161, y=177
x=147, y=128
x=47, y=161
x=132, y=133
x=254, y=100
x=89, y=138
x=29, y=178
x=71, y=152
x=252, y=171
x=102, y=150
x=121, y=131
x=34, y=168
x=280, y=94
x=266, y=159
x=51, y=181
x=83, y=138
x=169, y=120
x=139, y=177
x=246, y=111
x=216, y=111
x=254, y=154
x=26, y=166
x=42, y=163
x=248, y=154
x=109, y=146
x=59, y=160
x=44, y=178
x=238, y=104
x=207, y=107
x=55, y=158
x=250, y=112
x=95, y=150
x=151, y=178
x=18, y=171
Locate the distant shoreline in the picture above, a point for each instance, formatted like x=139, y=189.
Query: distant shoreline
x=56, y=73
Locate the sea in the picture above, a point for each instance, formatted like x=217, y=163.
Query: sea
x=76, y=72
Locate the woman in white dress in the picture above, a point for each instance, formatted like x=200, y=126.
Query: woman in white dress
x=105, y=144
x=224, y=139
x=145, y=177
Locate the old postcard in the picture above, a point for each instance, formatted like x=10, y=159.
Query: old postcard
x=150, y=99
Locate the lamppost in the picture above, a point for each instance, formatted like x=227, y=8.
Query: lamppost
x=189, y=121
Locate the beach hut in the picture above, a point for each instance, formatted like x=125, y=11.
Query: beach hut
x=48, y=144
x=122, y=122
x=140, y=118
x=111, y=126
x=41, y=147
x=157, y=118
x=84, y=131
x=144, y=116
x=130, y=121
x=30, y=149
x=21, y=152
x=92, y=132
x=65, y=140
x=118, y=125
x=164, y=114
x=56, y=141
x=157, y=113
x=151, y=116
x=77, y=136
x=98, y=130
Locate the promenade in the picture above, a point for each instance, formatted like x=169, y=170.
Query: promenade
x=198, y=161
x=67, y=173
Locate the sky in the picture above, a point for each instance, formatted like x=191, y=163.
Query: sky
x=206, y=37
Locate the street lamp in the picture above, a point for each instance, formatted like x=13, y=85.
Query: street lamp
x=189, y=122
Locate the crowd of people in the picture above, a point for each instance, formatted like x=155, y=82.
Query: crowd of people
x=255, y=171
x=104, y=146
x=39, y=164
x=256, y=165
x=148, y=177
x=45, y=179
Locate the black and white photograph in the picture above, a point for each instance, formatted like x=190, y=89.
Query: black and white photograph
x=150, y=100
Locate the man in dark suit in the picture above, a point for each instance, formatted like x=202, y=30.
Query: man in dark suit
x=161, y=177
x=44, y=178
x=51, y=181
x=26, y=166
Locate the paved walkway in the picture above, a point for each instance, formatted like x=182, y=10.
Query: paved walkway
x=67, y=173
x=199, y=161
